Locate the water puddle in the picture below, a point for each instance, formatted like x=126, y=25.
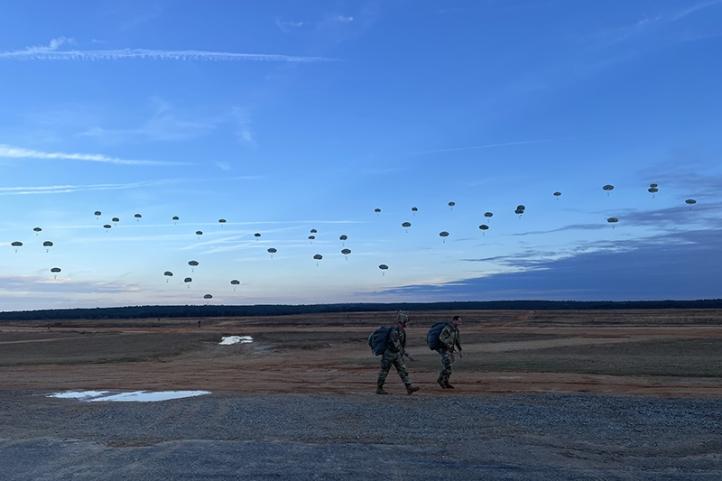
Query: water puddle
x=230, y=340
x=132, y=396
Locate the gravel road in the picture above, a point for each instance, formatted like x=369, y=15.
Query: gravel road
x=319, y=437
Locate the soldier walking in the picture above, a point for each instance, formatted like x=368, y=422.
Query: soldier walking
x=449, y=342
x=394, y=356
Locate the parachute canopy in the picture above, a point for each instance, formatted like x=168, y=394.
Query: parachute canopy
x=47, y=244
x=199, y=232
x=557, y=194
x=55, y=270
x=414, y=209
x=168, y=274
x=188, y=279
x=608, y=188
x=383, y=267
x=221, y=221
x=318, y=257
x=107, y=226
x=343, y=237
x=690, y=201
x=377, y=210
x=271, y=250
x=313, y=231
x=234, y=282
x=612, y=220
x=175, y=217
x=488, y=215
x=207, y=296
x=37, y=229
x=443, y=233
x=97, y=213
x=193, y=263
x=257, y=235
x=312, y=237
x=345, y=251
x=484, y=227
x=115, y=219
x=451, y=203
x=16, y=244
x=137, y=216
x=406, y=225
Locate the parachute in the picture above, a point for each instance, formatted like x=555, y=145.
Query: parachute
x=406, y=226
x=653, y=189
x=193, y=264
x=175, y=219
x=414, y=210
x=271, y=250
x=137, y=217
x=432, y=337
x=313, y=231
x=488, y=215
x=257, y=235
x=199, y=232
x=520, y=210
x=557, y=194
x=235, y=283
x=383, y=268
x=317, y=258
x=47, y=245
x=37, y=230
x=451, y=204
x=97, y=213
x=16, y=244
x=443, y=234
x=188, y=281
x=484, y=228
x=345, y=252
x=311, y=237
x=222, y=221
x=107, y=226
x=55, y=271
x=207, y=296
x=379, y=339
x=690, y=201
x=377, y=210
x=168, y=274
x=612, y=221
x=608, y=188
x=115, y=220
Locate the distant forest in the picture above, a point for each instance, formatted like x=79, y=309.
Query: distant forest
x=135, y=312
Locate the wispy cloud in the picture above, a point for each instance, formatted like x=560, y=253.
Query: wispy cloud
x=479, y=147
x=70, y=188
x=12, y=152
x=53, y=51
x=287, y=26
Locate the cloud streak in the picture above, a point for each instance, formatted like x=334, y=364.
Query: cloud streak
x=53, y=51
x=12, y=152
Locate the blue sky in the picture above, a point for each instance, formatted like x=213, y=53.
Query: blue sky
x=286, y=116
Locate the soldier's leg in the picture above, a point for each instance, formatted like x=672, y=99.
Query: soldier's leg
x=404, y=375
x=445, y=368
x=385, y=366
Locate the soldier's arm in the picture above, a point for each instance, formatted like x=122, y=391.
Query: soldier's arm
x=445, y=338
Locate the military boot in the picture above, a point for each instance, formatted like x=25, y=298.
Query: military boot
x=410, y=388
x=380, y=390
x=441, y=382
x=448, y=386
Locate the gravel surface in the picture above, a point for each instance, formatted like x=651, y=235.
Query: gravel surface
x=309, y=437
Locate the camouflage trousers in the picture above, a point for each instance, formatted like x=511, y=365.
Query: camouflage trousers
x=395, y=359
x=447, y=360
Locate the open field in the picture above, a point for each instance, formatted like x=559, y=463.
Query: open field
x=559, y=395
x=675, y=353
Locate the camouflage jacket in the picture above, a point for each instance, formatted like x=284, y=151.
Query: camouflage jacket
x=450, y=338
x=397, y=340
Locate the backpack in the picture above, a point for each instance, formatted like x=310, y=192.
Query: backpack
x=379, y=339
x=432, y=337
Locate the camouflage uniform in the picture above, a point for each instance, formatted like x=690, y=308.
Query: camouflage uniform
x=449, y=338
x=394, y=356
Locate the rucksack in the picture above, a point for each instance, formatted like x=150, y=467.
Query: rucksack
x=432, y=337
x=379, y=339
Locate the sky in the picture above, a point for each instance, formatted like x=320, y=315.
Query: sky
x=282, y=117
